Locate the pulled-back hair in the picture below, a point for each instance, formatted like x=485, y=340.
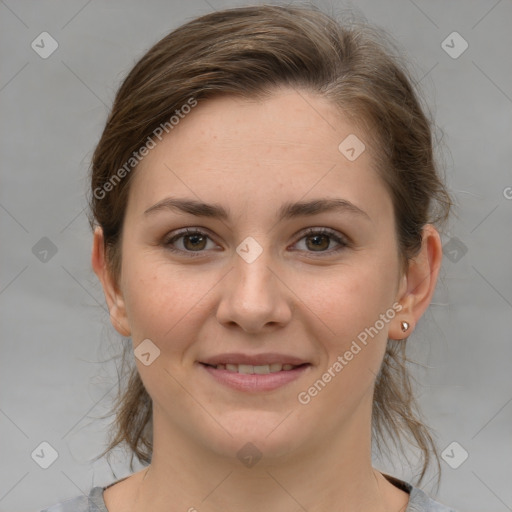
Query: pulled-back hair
x=249, y=52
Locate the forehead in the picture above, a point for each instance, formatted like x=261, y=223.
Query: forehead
x=265, y=151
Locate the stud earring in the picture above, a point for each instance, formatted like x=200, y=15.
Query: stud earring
x=405, y=326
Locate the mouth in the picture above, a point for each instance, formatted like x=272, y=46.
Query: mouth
x=255, y=378
x=249, y=369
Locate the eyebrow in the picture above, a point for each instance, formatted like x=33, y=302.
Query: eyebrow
x=287, y=210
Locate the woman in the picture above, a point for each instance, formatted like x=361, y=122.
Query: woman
x=264, y=203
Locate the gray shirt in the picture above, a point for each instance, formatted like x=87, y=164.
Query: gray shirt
x=418, y=500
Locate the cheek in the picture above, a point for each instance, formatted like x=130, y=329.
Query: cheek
x=354, y=353
x=163, y=301
x=355, y=303
x=351, y=298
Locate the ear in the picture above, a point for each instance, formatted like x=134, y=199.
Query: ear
x=113, y=295
x=418, y=284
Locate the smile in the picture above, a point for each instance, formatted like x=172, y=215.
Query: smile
x=255, y=378
x=249, y=369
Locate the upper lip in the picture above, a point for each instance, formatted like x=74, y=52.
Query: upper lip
x=255, y=359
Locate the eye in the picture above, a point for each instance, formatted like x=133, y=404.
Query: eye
x=320, y=240
x=190, y=240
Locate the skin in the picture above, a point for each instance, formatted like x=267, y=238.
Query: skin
x=251, y=156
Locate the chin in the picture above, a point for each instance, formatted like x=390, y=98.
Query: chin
x=269, y=435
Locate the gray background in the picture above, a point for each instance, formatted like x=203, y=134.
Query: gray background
x=55, y=329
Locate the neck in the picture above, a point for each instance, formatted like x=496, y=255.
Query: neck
x=333, y=473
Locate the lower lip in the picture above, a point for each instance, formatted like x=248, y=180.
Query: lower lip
x=255, y=382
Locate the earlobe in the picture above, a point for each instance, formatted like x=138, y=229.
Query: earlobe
x=402, y=327
x=418, y=285
x=113, y=296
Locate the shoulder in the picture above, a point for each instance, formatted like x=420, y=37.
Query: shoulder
x=420, y=502
x=91, y=503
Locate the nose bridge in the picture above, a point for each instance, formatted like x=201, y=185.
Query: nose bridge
x=252, y=296
x=252, y=275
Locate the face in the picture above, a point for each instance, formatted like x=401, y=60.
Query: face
x=267, y=283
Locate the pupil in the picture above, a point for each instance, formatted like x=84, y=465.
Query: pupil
x=194, y=239
x=319, y=244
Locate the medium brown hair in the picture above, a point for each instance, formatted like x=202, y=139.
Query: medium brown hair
x=248, y=52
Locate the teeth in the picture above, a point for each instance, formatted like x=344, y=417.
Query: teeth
x=245, y=368
x=261, y=369
x=258, y=369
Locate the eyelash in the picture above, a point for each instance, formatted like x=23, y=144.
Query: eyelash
x=340, y=239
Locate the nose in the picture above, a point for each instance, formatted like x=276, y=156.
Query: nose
x=254, y=295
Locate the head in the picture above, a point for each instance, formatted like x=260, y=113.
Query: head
x=247, y=110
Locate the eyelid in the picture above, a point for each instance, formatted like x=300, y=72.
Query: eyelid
x=326, y=231
x=341, y=239
x=175, y=235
